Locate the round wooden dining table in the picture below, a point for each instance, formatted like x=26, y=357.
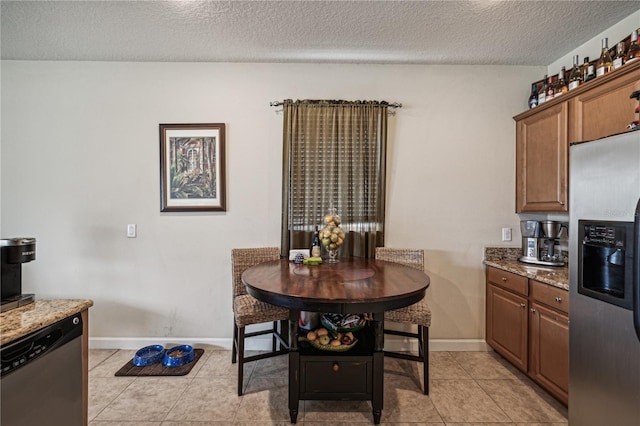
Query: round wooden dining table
x=350, y=286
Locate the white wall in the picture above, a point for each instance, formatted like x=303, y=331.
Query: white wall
x=593, y=47
x=80, y=160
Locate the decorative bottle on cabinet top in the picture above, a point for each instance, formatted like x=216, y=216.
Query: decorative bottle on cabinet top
x=575, y=78
x=618, y=59
x=604, y=64
x=533, y=98
x=588, y=72
x=633, y=54
x=551, y=90
x=561, y=87
x=542, y=94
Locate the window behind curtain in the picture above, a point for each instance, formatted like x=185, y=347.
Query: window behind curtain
x=334, y=156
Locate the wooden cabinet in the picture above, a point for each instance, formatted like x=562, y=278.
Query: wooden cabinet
x=549, y=358
x=549, y=338
x=507, y=319
x=507, y=325
x=541, y=161
x=530, y=328
x=597, y=109
x=605, y=109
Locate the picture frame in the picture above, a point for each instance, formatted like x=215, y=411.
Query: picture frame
x=192, y=167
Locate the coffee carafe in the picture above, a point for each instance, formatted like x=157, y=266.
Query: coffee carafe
x=541, y=242
x=14, y=252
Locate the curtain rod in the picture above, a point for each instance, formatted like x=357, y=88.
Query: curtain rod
x=390, y=105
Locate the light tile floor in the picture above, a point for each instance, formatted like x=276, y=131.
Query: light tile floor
x=467, y=389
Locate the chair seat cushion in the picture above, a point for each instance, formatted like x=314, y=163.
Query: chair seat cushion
x=249, y=310
x=418, y=313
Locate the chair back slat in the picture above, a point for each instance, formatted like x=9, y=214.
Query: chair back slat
x=244, y=258
x=413, y=258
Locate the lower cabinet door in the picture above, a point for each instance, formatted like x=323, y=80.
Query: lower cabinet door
x=507, y=325
x=549, y=360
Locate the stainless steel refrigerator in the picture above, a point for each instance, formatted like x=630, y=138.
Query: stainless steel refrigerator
x=604, y=275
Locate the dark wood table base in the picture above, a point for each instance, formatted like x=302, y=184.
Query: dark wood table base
x=335, y=375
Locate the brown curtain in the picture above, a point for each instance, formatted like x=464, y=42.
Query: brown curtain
x=334, y=156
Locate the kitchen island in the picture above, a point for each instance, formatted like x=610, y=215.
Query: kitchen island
x=34, y=317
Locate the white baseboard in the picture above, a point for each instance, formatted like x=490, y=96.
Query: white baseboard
x=140, y=342
x=392, y=343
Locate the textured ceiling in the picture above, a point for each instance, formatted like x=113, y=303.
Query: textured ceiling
x=415, y=32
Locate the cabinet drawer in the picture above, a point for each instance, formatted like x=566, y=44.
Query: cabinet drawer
x=553, y=297
x=335, y=376
x=508, y=280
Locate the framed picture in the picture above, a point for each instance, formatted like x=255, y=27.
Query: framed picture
x=192, y=175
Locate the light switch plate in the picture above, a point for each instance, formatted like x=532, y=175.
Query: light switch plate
x=132, y=231
x=506, y=234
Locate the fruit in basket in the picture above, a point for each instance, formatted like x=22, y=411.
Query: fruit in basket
x=324, y=340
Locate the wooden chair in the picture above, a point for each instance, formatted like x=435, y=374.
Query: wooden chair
x=417, y=314
x=247, y=310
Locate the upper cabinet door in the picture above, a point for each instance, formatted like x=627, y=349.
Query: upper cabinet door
x=541, y=161
x=605, y=109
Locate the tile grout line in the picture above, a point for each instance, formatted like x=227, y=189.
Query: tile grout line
x=119, y=393
x=112, y=399
x=485, y=392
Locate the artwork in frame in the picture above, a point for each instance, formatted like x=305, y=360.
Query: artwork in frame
x=192, y=173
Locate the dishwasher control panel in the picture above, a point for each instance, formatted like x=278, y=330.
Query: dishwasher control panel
x=32, y=346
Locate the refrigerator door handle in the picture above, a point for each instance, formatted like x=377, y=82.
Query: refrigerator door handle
x=636, y=270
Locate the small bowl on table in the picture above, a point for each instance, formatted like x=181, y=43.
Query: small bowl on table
x=178, y=356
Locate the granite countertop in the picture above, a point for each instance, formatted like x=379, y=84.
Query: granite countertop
x=26, y=319
x=507, y=259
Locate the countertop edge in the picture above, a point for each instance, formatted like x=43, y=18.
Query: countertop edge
x=19, y=322
x=554, y=277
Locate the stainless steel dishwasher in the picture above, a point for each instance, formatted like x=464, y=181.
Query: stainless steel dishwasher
x=41, y=377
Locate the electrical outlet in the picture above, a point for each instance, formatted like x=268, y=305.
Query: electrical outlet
x=506, y=234
x=131, y=230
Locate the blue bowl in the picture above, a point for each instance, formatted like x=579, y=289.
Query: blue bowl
x=148, y=355
x=178, y=355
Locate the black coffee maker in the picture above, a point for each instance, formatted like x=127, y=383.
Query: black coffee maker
x=15, y=252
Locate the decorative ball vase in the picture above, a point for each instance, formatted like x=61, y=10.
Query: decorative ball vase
x=332, y=235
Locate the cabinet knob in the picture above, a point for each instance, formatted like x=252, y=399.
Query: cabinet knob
x=533, y=311
x=561, y=203
x=522, y=305
x=335, y=367
x=558, y=299
x=503, y=278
